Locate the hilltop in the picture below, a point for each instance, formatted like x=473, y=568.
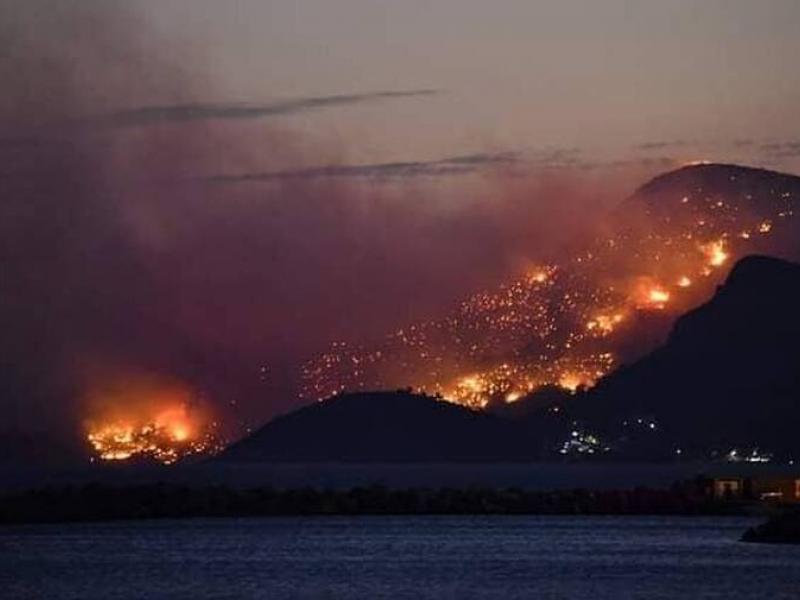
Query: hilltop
x=719, y=178
x=380, y=426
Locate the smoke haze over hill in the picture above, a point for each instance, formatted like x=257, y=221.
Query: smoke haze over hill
x=122, y=258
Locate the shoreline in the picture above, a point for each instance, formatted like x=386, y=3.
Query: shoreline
x=102, y=502
x=543, y=476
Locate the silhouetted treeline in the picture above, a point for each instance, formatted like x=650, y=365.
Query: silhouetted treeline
x=95, y=502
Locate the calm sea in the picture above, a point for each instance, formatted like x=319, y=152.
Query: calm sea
x=596, y=558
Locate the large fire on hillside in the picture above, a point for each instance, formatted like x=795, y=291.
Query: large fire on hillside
x=142, y=418
x=563, y=324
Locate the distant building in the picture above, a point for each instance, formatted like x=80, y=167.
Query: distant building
x=766, y=488
x=727, y=488
x=780, y=489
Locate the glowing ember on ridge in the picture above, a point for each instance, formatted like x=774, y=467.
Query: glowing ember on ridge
x=715, y=253
x=650, y=295
x=658, y=296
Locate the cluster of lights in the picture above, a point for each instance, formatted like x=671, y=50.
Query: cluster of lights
x=754, y=456
x=582, y=443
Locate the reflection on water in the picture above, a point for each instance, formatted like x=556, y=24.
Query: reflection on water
x=595, y=558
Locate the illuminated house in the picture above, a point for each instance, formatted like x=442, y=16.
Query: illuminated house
x=727, y=488
x=779, y=489
x=775, y=489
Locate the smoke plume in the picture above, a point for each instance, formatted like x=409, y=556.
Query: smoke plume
x=120, y=251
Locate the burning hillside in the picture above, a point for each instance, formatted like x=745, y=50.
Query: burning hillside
x=135, y=416
x=568, y=323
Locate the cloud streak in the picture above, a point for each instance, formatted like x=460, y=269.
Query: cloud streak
x=181, y=113
x=790, y=149
x=660, y=145
x=455, y=165
x=467, y=164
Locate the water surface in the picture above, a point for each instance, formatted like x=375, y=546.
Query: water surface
x=595, y=558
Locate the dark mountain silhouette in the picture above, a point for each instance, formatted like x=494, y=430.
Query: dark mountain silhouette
x=781, y=528
x=728, y=376
x=382, y=426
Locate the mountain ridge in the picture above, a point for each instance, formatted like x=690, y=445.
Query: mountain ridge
x=381, y=426
x=713, y=174
x=727, y=378
x=727, y=375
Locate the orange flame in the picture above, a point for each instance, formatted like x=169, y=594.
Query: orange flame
x=715, y=253
x=139, y=415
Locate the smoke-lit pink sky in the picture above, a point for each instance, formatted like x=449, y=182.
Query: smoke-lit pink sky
x=216, y=190
x=709, y=78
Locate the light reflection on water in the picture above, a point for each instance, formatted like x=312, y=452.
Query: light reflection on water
x=397, y=557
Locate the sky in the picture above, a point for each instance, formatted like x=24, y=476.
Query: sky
x=213, y=192
x=606, y=76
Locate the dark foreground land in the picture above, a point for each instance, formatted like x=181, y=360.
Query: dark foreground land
x=99, y=502
x=541, y=476
x=779, y=529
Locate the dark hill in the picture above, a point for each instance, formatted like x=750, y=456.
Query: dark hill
x=719, y=178
x=381, y=427
x=728, y=198
x=727, y=377
x=779, y=529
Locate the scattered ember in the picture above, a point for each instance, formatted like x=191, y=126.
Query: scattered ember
x=560, y=324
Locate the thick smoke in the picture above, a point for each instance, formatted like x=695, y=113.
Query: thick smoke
x=120, y=250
